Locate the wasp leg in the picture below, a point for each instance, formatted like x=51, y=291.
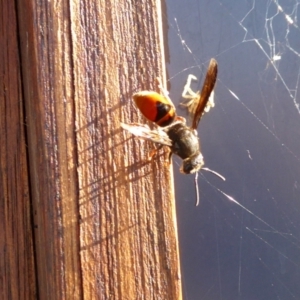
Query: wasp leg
x=153, y=152
x=170, y=157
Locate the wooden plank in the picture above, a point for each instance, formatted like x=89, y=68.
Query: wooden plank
x=105, y=216
x=17, y=271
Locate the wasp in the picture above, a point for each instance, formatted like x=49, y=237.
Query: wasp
x=171, y=130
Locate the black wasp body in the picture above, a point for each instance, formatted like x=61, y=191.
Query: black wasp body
x=185, y=144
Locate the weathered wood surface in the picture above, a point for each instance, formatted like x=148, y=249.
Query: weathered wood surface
x=17, y=270
x=104, y=217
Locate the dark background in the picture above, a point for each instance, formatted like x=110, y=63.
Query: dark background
x=250, y=250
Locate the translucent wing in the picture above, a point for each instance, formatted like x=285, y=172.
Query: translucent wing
x=144, y=132
x=208, y=86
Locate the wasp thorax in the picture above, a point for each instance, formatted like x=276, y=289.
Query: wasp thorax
x=192, y=164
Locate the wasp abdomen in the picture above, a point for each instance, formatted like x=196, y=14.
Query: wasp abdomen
x=155, y=107
x=164, y=114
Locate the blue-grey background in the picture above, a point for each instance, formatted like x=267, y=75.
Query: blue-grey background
x=252, y=251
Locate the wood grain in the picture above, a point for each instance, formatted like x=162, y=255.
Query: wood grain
x=17, y=269
x=104, y=216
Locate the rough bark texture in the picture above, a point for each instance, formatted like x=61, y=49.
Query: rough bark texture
x=104, y=216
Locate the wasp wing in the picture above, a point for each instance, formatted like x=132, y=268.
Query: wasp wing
x=144, y=132
x=208, y=86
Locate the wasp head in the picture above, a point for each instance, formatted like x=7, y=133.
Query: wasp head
x=192, y=164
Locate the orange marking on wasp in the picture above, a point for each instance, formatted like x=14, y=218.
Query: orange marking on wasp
x=155, y=107
x=172, y=130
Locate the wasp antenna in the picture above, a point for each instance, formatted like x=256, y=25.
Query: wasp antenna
x=215, y=173
x=197, y=189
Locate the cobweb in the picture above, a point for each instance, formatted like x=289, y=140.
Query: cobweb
x=243, y=241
